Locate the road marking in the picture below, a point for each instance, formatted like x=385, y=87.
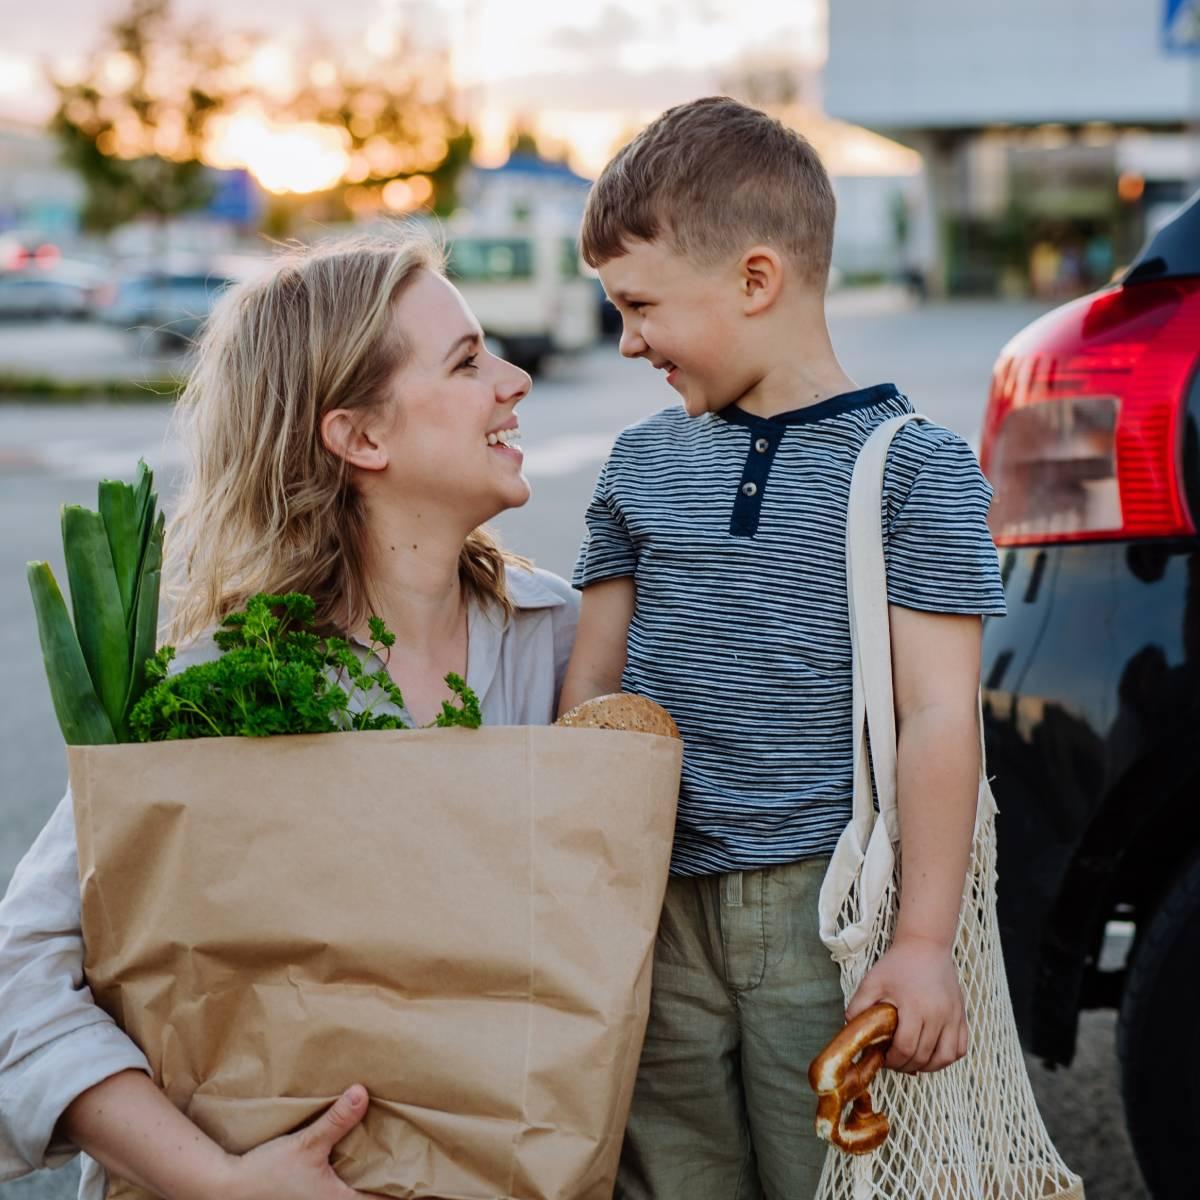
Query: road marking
x=77, y=459
x=566, y=455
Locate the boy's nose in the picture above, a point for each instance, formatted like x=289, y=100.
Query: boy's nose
x=631, y=344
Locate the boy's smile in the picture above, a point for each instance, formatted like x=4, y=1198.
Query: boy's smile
x=681, y=319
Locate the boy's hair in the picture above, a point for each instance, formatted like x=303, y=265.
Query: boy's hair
x=713, y=177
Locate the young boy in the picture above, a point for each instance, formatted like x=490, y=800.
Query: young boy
x=714, y=582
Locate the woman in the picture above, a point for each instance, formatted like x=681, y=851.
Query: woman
x=349, y=434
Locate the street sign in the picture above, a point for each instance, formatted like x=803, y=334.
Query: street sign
x=1181, y=26
x=236, y=197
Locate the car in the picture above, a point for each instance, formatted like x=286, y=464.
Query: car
x=528, y=291
x=1091, y=684
x=168, y=306
x=43, y=294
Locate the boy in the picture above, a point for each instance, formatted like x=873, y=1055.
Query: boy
x=714, y=582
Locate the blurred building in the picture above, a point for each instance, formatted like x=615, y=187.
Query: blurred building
x=1055, y=133
x=876, y=182
x=38, y=195
x=527, y=190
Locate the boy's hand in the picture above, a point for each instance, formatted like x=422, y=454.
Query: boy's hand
x=918, y=976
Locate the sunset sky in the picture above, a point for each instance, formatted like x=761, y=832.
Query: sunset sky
x=585, y=77
x=588, y=73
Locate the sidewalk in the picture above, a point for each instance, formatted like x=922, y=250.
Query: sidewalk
x=81, y=353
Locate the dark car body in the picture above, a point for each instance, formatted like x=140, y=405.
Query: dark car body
x=1092, y=682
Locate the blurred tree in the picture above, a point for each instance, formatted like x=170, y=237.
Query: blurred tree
x=524, y=142
x=774, y=85
x=397, y=115
x=137, y=126
x=445, y=175
x=134, y=124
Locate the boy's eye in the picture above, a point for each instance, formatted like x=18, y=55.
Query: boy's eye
x=469, y=363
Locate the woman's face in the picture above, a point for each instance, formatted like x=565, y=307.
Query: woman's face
x=452, y=411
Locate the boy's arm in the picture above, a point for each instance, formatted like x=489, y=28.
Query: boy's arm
x=598, y=659
x=935, y=666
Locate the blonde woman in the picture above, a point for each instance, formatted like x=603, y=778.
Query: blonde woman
x=349, y=434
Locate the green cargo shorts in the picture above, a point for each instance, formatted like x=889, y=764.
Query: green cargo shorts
x=745, y=995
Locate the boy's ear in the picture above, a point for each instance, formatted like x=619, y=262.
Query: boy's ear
x=760, y=278
x=347, y=435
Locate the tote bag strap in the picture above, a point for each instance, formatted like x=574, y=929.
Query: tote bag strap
x=870, y=631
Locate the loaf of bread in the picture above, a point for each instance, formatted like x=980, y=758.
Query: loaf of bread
x=634, y=714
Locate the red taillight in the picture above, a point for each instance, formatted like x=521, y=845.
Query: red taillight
x=1083, y=432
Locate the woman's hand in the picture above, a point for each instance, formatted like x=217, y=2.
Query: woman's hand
x=919, y=978
x=296, y=1166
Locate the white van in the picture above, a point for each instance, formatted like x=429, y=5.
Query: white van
x=529, y=292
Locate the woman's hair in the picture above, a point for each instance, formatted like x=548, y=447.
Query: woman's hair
x=265, y=506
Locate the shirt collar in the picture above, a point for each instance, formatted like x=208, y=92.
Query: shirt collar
x=835, y=406
x=487, y=623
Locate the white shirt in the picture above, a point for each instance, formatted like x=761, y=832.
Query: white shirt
x=55, y=1041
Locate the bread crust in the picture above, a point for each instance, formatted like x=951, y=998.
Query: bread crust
x=634, y=714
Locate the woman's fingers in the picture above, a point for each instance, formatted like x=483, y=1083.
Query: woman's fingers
x=336, y=1121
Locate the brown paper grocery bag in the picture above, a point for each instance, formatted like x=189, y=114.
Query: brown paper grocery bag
x=461, y=920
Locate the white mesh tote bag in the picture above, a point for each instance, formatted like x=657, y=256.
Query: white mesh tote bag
x=972, y=1131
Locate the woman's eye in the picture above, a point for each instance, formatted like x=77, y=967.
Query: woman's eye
x=469, y=363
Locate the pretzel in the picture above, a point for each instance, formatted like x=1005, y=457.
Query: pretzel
x=840, y=1080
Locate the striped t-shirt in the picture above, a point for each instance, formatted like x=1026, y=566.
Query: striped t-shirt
x=733, y=527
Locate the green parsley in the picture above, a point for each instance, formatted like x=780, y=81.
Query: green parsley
x=277, y=676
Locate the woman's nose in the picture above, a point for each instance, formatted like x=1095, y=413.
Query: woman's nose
x=513, y=386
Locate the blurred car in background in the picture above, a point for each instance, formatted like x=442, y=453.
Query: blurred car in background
x=1092, y=682
x=41, y=295
x=165, y=307
x=529, y=293
x=39, y=283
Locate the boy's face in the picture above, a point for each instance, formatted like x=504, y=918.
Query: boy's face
x=683, y=319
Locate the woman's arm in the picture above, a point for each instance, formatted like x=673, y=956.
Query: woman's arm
x=135, y=1132
x=598, y=660
x=55, y=1041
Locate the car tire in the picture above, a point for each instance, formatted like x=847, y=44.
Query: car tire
x=1160, y=1056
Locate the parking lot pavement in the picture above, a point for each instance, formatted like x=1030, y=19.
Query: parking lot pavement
x=75, y=351
x=941, y=355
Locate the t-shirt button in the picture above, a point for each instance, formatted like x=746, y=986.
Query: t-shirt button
x=762, y=445
x=749, y=489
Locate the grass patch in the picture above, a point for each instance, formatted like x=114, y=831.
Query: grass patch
x=22, y=388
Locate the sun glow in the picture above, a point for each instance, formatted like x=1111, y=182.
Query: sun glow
x=282, y=156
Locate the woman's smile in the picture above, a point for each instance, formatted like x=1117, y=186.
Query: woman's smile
x=507, y=441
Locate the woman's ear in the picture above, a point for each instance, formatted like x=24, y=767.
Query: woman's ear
x=347, y=434
x=761, y=279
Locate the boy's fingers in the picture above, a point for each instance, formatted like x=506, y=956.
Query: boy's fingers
x=964, y=1039
x=904, y=1045
x=946, y=1050
x=337, y=1120
x=868, y=993
x=931, y=1034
